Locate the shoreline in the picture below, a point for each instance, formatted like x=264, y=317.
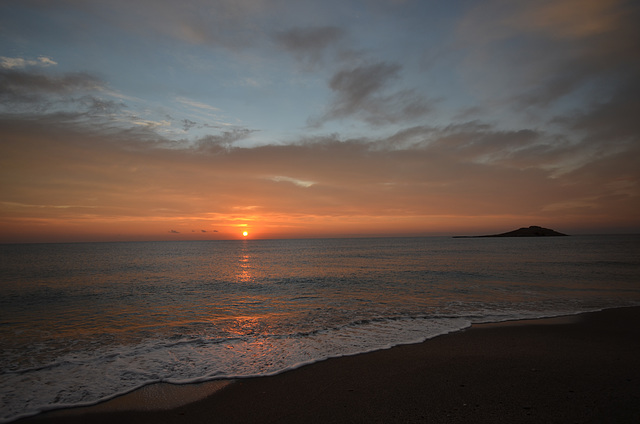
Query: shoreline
x=573, y=368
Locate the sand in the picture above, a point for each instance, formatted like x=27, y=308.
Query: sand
x=581, y=369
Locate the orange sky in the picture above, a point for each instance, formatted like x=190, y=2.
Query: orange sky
x=486, y=120
x=81, y=186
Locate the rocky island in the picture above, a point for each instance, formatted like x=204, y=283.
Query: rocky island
x=532, y=231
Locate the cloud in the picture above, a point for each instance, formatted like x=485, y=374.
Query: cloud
x=299, y=183
x=308, y=45
x=361, y=92
x=174, y=232
x=230, y=24
x=457, y=171
x=79, y=97
x=609, y=124
x=187, y=124
x=82, y=100
x=554, y=82
x=25, y=87
x=359, y=84
x=540, y=53
x=98, y=106
x=197, y=105
x=18, y=62
x=208, y=116
x=19, y=81
x=223, y=141
x=563, y=19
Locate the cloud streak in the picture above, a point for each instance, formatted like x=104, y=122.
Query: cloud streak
x=19, y=62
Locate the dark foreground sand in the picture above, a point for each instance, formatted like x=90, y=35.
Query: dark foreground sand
x=568, y=370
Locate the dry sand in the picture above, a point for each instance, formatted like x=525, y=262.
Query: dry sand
x=583, y=369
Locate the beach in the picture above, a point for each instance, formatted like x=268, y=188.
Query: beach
x=574, y=369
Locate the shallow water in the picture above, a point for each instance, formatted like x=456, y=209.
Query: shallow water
x=87, y=321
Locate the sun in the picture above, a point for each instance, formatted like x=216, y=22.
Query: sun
x=245, y=233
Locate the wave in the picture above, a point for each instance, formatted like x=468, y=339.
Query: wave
x=87, y=378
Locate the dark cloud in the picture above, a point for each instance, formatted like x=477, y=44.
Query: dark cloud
x=174, y=232
x=475, y=141
x=187, y=124
x=543, y=56
x=539, y=53
x=25, y=86
x=355, y=86
x=223, y=141
x=70, y=96
x=72, y=99
x=308, y=45
x=482, y=143
x=610, y=122
x=97, y=106
x=362, y=92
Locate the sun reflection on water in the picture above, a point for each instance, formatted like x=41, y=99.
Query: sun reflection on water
x=244, y=274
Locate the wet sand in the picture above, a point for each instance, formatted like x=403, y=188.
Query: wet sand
x=579, y=369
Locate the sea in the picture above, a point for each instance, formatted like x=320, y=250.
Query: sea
x=84, y=322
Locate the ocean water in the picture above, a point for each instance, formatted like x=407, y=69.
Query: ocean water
x=84, y=322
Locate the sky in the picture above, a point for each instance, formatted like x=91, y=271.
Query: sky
x=202, y=119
